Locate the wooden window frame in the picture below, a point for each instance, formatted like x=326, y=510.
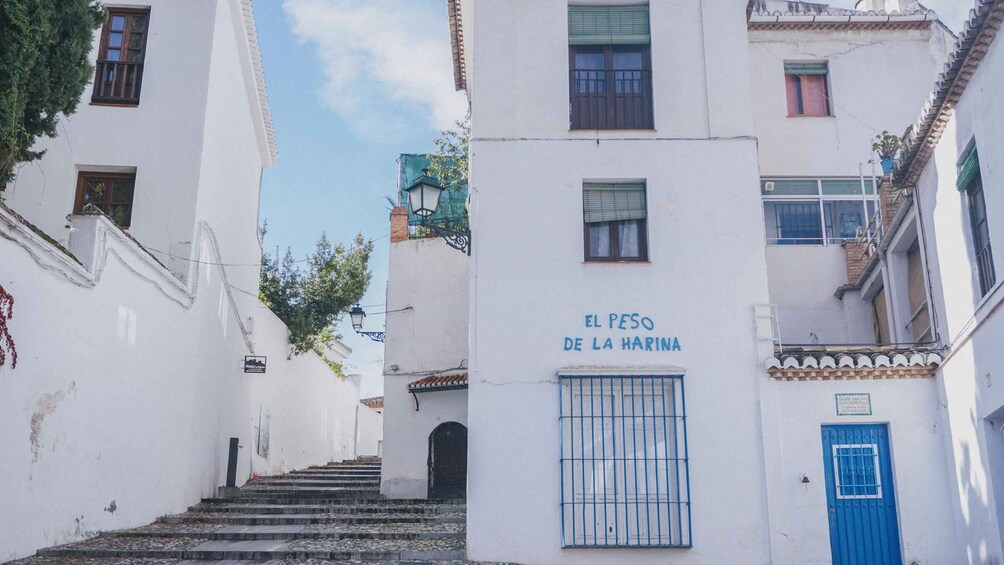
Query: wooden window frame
x=982, y=255
x=101, y=85
x=615, y=243
x=647, y=118
x=84, y=176
x=802, y=101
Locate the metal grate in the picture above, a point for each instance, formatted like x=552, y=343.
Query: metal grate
x=624, y=475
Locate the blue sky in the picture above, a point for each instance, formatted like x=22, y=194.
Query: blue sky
x=352, y=84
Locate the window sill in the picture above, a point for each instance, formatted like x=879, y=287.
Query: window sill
x=116, y=104
x=808, y=116
x=616, y=262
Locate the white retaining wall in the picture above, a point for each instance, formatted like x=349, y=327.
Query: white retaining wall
x=128, y=387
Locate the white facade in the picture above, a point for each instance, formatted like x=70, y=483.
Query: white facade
x=130, y=382
x=197, y=141
x=758, y=474
x=877, y=78
x=428, y=339
x=968, y=321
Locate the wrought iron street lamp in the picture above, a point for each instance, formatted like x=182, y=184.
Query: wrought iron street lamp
x=423, y=196
x=358, y=316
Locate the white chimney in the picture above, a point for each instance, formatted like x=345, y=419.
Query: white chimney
x=888, y=6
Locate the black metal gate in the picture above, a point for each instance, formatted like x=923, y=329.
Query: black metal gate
x=448, y=461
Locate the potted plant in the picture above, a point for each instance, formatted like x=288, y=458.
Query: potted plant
x=887, y=145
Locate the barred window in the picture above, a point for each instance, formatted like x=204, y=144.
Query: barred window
x=624, y=475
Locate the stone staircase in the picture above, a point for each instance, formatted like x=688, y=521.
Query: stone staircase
x=332, y=512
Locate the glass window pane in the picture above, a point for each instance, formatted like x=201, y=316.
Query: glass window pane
x=627, y=60
x=791, y=187
x=136, y=41
x=843, y=218
x=592, y=61
x=843, y=186
x=138, y=24
x=134, y=56
x=113, y=54
x=122, y=192
x=115, y=40
x=792, y=222
x=118, y=23
x=599, y=240
x=628, y=239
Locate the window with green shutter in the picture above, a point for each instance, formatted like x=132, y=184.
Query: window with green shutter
x=615, y=221
x=608, y=25
x=610, y=67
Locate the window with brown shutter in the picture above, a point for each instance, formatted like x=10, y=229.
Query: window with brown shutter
x=118, y=75
x=807, y=89
x=110, y=193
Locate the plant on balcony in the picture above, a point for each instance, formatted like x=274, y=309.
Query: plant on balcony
x=887, y=146
x=43, y=71
x=311, y=300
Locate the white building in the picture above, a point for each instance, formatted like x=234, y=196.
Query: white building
x=425, y=360
x=950, y=172
x=132, y=326
x=672, y=355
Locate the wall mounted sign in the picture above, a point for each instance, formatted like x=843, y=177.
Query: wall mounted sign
x=254, y=364
x=854, y=404
x=623, y=332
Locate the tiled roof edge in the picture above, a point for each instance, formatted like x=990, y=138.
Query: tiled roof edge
x=259, y=77
x=457, y=44
x=978, y=33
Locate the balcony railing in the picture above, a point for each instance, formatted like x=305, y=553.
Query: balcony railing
x=117, y=82
x=611, y=99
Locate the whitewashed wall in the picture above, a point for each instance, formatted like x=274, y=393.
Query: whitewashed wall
x=128, y=388
x=878, y=80
x=431, y=277
x=793, y=415
x=970, y=377
x=369, y=434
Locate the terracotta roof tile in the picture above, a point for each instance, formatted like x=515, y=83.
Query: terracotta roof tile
x=375, y=402
x=439, y=382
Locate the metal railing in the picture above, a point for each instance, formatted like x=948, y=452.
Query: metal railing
x=985, y=266
x=625, y=479
x=611, y=99
x=117, y=82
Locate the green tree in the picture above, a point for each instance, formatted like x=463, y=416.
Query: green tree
x=449, y=164
x=44, y=48
x=311, y=300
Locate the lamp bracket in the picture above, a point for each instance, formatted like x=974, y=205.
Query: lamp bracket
x=459, y=240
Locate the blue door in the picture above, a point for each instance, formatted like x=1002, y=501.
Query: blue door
x=860, y=495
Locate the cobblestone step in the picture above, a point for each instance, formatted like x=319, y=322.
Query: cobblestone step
x=294, y=532
x=331, y=514
x=379, y=508
x=292, y=519
x=198, y=548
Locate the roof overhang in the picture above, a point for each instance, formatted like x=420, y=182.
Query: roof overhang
x=255, y=76
x=439, y=382
x=978, y=33
x=457, y=44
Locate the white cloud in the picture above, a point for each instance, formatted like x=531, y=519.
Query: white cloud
x=387, y=63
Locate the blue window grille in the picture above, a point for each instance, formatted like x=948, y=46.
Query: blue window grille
x=624, y=475
x=856, y=470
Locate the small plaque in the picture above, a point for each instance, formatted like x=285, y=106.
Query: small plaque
x=254, y=364
x=854, y=404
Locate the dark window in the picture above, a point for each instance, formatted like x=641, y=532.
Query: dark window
x=119, y=73
x=807, y=89
x=615, y=222
x=610, y=79
x=111, y=193
x=981, y=236
x=970, y=182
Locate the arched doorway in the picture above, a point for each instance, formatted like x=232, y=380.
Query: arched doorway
x=448, y=461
